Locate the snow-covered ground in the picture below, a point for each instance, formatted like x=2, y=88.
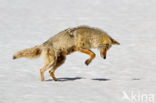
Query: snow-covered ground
x=129, y=70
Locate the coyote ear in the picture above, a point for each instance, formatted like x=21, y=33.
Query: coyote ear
x=115, y=42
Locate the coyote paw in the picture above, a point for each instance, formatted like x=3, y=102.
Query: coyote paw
x=87, y=62
x=42, y=79
x=55, y=79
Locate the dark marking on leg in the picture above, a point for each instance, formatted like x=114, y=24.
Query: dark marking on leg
x=87, y=62
x=60, y=60
x=71, y=49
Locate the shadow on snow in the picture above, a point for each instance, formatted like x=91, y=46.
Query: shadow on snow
x=78, y=78
x=101, y=79
x=66, y=79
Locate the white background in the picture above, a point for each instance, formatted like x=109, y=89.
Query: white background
x=130, y=66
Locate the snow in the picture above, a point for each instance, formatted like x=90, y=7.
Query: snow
x=129, y=67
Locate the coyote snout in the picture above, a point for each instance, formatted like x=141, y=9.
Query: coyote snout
x=82, y=39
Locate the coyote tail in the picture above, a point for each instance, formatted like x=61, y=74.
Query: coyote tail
x=29, y=53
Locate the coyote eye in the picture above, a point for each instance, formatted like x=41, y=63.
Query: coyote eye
x=107, y=45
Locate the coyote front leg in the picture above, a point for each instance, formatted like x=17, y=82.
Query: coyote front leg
x=89, y=52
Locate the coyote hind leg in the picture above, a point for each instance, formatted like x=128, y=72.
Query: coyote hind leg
x=89, y=52
x=49, y=61
x=42, y=70
x=60, y=60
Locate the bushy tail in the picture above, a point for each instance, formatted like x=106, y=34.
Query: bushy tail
x=29, y=53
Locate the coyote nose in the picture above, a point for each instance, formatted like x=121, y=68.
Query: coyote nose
x=104, y=57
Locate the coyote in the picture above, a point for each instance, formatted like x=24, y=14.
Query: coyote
x=81, y=39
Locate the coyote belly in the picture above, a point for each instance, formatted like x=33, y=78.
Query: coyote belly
x=82, y=39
